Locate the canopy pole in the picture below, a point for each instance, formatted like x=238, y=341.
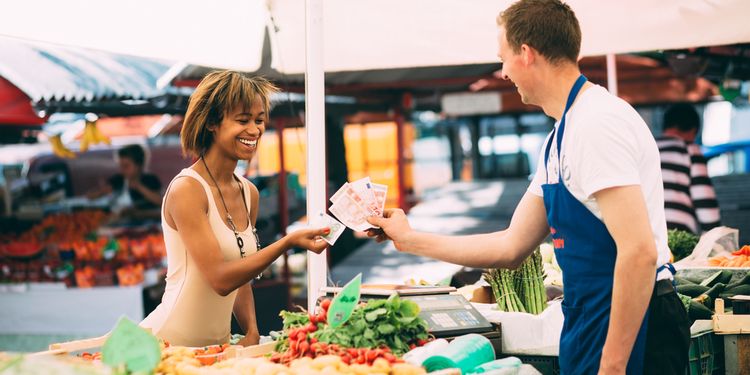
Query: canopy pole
x=612, y=74
x=317, y=267
x=401, y=162
x=283, y=207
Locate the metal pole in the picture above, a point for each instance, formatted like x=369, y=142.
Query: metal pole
x=317, y=267
x=283, y=207
x=612, y=74
x=399, y=117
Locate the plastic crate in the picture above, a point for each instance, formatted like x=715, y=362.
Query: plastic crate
x=547, y=365
x=701, y=355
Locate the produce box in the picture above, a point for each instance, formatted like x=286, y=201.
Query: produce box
x=729, y=323
x=527, y=334
x=701, y=355
x=547, y=365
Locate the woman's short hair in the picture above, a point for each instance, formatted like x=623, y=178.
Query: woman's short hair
x=218, y=94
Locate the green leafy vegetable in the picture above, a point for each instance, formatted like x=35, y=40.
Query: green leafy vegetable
x=681, y=243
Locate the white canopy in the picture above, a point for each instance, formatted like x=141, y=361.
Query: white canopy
x=358, y=34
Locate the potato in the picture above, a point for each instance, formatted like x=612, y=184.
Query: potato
x=407, y=369
x=326, y=361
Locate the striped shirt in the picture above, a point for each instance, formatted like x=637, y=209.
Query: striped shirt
x=689, y=198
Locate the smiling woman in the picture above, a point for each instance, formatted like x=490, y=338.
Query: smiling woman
x=209, y=214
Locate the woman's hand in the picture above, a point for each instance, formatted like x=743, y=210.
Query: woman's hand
x=309, y=239
x=250, y=339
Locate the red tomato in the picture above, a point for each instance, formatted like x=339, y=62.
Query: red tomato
x=325, y=304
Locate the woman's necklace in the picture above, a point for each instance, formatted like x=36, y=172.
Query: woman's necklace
x=240, y=242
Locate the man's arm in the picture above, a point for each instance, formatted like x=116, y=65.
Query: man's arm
x=244, y=311
x=149, y=189
x=702, y=191
x=625, y=214
x=503, y=249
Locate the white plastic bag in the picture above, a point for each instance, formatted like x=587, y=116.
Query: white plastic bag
x=527, y=334
x=716, y=242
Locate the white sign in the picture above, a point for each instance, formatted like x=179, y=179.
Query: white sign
x=471, y=103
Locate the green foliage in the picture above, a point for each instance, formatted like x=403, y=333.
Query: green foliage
x=394, y=323
x=681, y=243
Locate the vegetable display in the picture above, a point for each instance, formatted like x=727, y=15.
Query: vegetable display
x=739, y=258
x=681, y=243
x=381, y=328
x=520, y=290
x=698, y=296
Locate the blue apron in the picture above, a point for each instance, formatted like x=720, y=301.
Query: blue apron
x=586, y=253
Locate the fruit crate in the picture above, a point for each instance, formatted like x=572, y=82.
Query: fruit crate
x=701, y=354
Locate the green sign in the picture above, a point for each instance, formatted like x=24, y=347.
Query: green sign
x=344, y=303
x=132, y=346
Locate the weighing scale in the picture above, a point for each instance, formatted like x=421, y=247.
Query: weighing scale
x=446, y=314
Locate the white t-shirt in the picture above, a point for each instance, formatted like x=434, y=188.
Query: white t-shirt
x=607, y=144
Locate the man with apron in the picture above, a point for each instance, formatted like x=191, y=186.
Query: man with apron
x=598, y=191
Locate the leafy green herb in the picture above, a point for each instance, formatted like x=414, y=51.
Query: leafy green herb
x=681, y=243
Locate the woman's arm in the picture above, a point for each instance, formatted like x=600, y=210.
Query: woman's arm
x=187, y=205
x=244, y=311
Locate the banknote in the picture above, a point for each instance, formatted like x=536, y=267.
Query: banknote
x=380, y=191
x=339, y=192
x=321, y=220
x=350, y=213
x=363, y=189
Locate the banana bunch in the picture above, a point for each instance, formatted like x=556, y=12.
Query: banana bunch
x=92, y=136
x=59, y=149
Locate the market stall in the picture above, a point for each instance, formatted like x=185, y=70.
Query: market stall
x=344, y=335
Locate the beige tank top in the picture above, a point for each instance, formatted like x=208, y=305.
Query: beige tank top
x=191, y=313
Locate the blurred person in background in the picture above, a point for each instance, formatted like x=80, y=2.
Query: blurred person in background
x=689, y=198
x=132, y=189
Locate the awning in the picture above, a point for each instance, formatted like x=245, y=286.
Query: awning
x=15, y=107
x=55, y=74
x=358, y=35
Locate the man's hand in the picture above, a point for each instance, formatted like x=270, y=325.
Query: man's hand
x=393, y=226
x=250, y=339
x=134, y=183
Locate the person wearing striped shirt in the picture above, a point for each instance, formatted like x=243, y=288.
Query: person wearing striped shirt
x=689, y=197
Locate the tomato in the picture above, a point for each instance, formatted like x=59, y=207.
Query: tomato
x=325, y=304
x=312, y=328
x=304, y=346
x=371, y=355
